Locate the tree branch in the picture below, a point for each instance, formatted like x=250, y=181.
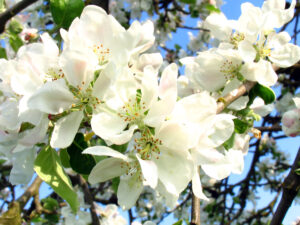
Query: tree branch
x=235, y=94
x=89, y=199
x=11, y=12
x=32, y=190
x=291, y=186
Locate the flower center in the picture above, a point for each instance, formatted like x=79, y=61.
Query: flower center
x=54, y=74
x=133, y=111
x=230, y=69
x=85, y=98
x=236, y=38
x=102, y=53
x=133, y=169
x=146, y=145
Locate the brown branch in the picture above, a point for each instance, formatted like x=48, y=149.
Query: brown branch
x=11, y=12
x=89, y=199
x=32, y=190
x=291, y=186
x=229, y=98
x=195, y=210
x=276, y=127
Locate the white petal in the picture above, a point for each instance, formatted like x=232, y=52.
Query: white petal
x=65, y=130
x=159, y=111
x=286, y=56
x=247, y=51
x=276, y=40
x=28, y=115
x=197, y=187
x=22, y=170
x=35, y=135
x=78, y=67
x=218, y=25
x=175, y=170
x=149, y=87
x=153, y=59
x=195, y=107
x=106, y=169
x=260, y=108
x=168, y=81
x=262, y=72
x=104, y=151
x=239, y=104
x=149, y=170
x=218, y=171
x=237, y=160
x=205, y=155
x=297, y=102
x=129, y=191
x=109, y=126
x=222, y=129
x=54, y=97
x=176, y=136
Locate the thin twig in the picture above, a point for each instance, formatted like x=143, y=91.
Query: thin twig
x=89, y=199
x=291, y=186
x=11, y=12
x=32, y=190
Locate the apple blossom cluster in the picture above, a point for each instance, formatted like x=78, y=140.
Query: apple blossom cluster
x=105, y=85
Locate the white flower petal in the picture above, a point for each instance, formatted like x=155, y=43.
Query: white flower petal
x=247, y=51
x=65, y=130
x=108, y=126
x=54, y=97
x=221, y=130
x=197, y=187
x=239, y=104
x=168, y=81
x=107, y=169
x=262, y=72
x=78, y=67
x=218, y=25
x=175, y=170
x=22, y=170
x=285, y=56
x=129, y=190
x=149, y=170
x=104, y=151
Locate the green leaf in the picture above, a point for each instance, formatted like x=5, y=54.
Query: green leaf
x=81, y=163
x=178, y=222
x=15, y=26
x=240, y=126
x=229, y=143
x=211, y=8
x=188, y=1
x=49, y=168
x=64, y=158
x=297, y=171
x=65, y=11
x=115, y=184
x=50, y=203
x=120, y=148
x=15, y=41
x=266, y=93
x=3, y=53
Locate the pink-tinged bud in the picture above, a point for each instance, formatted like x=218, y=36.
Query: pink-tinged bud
x=291, y=122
